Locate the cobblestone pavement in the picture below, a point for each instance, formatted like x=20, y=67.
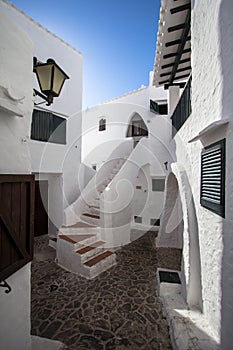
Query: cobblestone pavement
x=119, y=309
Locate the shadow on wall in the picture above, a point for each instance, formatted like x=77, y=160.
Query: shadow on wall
x=179, y=226
x=226, y=55
x=172, y=225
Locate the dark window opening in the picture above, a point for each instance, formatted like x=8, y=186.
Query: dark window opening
x=48, y=127
x=158, y=108
x=163, y=109
x=102, y=124
x=183, y=109
x=155, y=222
x=158, y=185
x=137, y=128
x=138, y=219
x=213, y=177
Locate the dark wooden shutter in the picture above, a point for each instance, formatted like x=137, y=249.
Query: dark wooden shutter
x=213, y=177
x=48, y=127
x=16, y=222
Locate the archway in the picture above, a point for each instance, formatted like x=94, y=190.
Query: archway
x=137, y=128
x=179, y=229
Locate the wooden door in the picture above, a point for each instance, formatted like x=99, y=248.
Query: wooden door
x=16, y=222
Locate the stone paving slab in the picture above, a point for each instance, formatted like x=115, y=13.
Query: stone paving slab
x=119, y=309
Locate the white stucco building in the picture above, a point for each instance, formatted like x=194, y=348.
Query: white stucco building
x=31, y=149
x=198, y=213
x=129, y=118
x=15, y=117
x=55, y=155
x=127, y=188
x=143, y=167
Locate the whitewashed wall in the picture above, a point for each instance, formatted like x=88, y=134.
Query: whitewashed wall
x=97, y=145
x=144, y=198
x=212, y=88
x=16, y=51
x=53, y=158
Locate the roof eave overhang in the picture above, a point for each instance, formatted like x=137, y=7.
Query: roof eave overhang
x=173, y=48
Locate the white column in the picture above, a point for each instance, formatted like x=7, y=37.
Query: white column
x=173, y=98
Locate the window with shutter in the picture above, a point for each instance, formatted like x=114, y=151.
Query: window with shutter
x=48, y=127
x=213, y=177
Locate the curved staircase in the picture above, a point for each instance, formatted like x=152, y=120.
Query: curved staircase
x=80, y=248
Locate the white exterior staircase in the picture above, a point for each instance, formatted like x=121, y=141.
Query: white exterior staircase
x=80, y=248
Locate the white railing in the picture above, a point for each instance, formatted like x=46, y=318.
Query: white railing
x=117, y=199
x=91, y=191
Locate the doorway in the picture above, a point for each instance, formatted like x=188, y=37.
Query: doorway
x=41, y=207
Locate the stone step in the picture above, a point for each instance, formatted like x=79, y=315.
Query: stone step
x=79, y=227
x=95, y=202
x=94, y=210
x=90, y=215
x=98, y=258
x=78, y=241
x=91, y=218
x=68, y=259
x=86, y=252
x=100, y=263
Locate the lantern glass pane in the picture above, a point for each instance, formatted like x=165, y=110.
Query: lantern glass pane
x=44, y=75
x=59, y=78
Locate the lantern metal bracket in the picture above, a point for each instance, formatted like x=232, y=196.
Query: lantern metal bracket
x=4, y=284
x=48, y=99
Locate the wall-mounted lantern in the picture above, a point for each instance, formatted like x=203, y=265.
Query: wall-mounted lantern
x=50, y=78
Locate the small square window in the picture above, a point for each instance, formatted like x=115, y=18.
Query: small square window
x=158, y=185
x=138, y=219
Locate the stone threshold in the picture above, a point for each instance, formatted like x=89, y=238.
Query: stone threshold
x=188, y=328
x=39, y=343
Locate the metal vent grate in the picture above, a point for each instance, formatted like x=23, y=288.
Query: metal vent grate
x=213, y=177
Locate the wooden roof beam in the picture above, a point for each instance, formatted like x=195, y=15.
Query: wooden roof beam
x=175, y=28
x=174, y=54
x=186, y=60
x=181, y=8
x=181, y=46
x=176, y=42
x=178, y=71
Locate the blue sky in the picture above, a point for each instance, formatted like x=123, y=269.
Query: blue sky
x=116, y=37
